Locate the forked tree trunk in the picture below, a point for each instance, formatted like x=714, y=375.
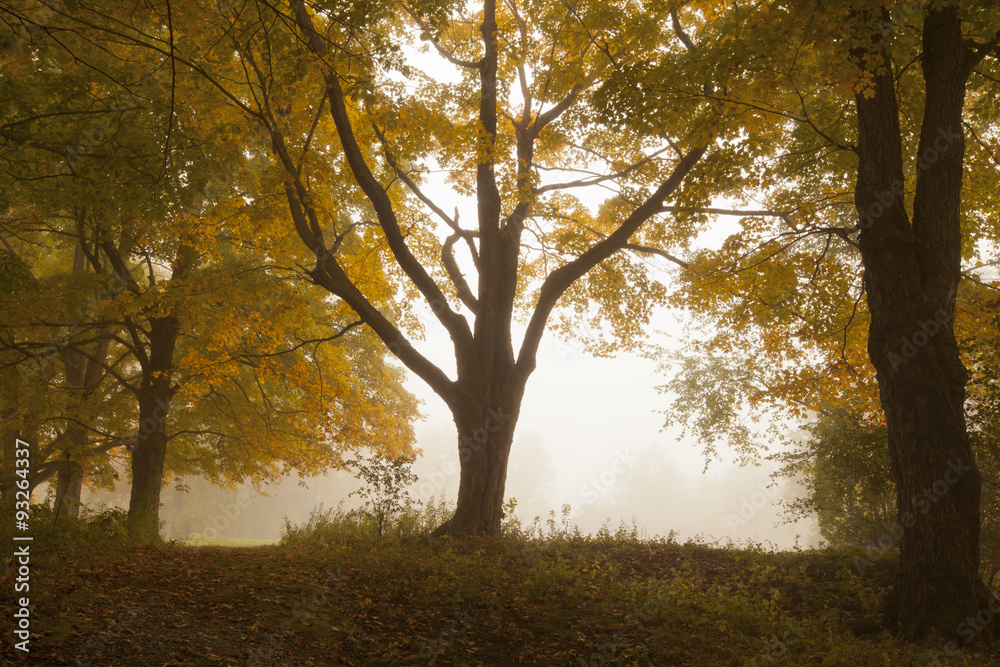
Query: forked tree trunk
x=911, y=279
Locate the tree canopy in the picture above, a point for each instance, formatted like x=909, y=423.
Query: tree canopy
x=510, y=167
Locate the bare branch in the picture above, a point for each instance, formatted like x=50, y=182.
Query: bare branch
x=451, y=266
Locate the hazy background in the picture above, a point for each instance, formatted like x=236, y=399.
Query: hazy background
x=589, y=436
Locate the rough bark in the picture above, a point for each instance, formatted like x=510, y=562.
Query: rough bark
x=485, y=421
x=149, y=449
x=911, y=279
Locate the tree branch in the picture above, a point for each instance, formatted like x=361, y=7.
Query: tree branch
x=562, y=278
x=451, y=266
x=457, y=326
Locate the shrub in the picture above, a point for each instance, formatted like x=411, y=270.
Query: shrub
x=94, y=531
x=384, y=492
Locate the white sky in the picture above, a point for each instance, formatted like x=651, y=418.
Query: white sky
x=591, y=431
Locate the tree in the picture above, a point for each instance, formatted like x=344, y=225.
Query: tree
x=845, y=458
x=912, y=268
x=56, y=362
x=844, y=464
x=261, y=390
x=384, y=490
x=549, y=60
x=897, y=130
x=523, y=114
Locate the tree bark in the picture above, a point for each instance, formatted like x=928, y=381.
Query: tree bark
x=486, y=421
x=69, y=488
x=149, y=449
x=911, y=279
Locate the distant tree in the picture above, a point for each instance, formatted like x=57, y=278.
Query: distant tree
x=843, y=464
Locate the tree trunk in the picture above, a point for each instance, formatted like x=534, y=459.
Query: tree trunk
x=8, y=480
x=149, y=449
x=485, y=434
x=69, y=488
x=911, y=279
x=84, y=374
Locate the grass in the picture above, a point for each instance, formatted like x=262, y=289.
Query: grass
x=220, y=542
x=543, y=594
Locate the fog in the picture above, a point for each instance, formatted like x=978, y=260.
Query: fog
x=589, y=436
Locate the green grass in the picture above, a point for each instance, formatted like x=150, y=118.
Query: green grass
x=542, y=594
x=220, y=542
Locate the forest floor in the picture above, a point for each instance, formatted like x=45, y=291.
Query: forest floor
x=462, y=602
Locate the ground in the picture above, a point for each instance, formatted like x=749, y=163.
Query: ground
x=463, y=602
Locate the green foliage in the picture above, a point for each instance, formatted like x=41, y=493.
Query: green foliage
x=844, y=466
x=385, y=488
x=15, y=274
x=364, y=528
x=102, y=531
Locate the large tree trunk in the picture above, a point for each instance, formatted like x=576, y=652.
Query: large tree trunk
x=485, y=434
x=149, y=450
x=911, y=279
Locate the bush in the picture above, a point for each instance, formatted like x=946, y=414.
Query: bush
x=385, y=495
x=94, y=531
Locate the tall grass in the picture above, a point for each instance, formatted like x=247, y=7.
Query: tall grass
x=361, y=528
x=93, y=533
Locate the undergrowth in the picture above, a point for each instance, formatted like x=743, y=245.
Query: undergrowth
x=556, y=595
x=102, y=530
x=543, y=593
